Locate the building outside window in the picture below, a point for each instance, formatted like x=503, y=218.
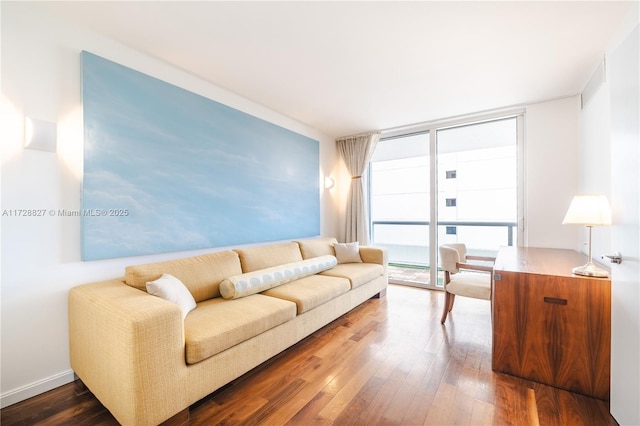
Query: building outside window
x=470, y=176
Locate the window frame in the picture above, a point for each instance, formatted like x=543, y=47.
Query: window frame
x=432, y=128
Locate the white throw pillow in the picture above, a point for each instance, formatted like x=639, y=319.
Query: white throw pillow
x=348, y=252
x=172, y=289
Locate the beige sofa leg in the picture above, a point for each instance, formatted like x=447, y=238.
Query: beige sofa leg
x=79, y=388
x=382, y=293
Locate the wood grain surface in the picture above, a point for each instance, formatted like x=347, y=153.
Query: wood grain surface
x=549, y=326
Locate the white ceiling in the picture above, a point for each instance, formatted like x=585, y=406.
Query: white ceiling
x=349, y=67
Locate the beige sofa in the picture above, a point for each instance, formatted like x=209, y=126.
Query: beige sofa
x=145, y=363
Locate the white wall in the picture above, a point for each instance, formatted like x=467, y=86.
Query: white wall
x=618, y=105
x=41, y=256
x=595, y=156
x=551, y=171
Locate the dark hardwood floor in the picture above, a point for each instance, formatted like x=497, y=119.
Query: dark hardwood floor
x=388, y=362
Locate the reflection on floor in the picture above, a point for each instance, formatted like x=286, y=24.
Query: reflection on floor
x=414, y=276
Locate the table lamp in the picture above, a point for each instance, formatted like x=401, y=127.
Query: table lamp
x=589, y=210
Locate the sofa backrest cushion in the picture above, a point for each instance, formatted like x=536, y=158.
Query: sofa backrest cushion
x=264, y=279
x=200, y=274
x=317, y=247
x=262, y=257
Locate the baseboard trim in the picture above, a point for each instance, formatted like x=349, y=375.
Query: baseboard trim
x=25, y=392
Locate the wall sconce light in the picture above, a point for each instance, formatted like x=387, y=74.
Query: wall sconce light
x=589, y=210
x=329, y=182
x=39, y=134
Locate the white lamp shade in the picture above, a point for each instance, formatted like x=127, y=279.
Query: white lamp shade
x=589, y=210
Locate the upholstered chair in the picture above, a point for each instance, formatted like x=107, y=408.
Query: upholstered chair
x=462, y=278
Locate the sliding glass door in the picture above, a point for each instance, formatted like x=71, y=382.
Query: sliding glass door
x=457, y=183
x=400, y=201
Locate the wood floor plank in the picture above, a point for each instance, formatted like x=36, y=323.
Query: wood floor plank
x=341, y=372
x=387, y=362
x=396, y=410
x=532, y=408
x=308, y=415
x=363, y=331
x=272, y=409
x=350, y=389
x=432, y=380
x=338, y=370
x=461, y=409
x=548, y=405
x=420, y=369
x=505, y=395
x=228, y=414
x=351, y=414
x=579, y=410
x=375, y=412
x=418, y=409
x=441, y=405
x=522, y=404
x=482, y=413
x=485, y=386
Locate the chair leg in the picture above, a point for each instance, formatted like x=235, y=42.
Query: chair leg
x=451, y=300
x=446, y=309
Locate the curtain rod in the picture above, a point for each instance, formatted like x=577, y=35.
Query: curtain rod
x=376, y=132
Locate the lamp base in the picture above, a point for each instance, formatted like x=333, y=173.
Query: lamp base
x=591, y=270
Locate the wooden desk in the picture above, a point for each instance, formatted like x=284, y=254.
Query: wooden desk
x=551, y=326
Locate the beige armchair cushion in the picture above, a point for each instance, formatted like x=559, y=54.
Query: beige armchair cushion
x=471, y=284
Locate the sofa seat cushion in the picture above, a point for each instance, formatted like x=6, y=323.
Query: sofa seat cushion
x=218, y=324
x=310, y=292
x=357, y=273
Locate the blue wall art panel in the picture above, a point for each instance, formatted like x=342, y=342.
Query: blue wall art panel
x=168, y=170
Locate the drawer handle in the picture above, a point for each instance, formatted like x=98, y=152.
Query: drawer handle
x=555, y=300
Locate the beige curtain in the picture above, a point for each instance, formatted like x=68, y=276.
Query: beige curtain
x=356, y=152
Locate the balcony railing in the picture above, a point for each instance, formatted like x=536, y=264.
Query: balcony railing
x=405, y=248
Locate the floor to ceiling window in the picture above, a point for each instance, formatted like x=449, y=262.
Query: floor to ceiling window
x=444, y=184
x=400, y=194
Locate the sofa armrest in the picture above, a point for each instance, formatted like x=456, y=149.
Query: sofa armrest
x=128, y=348
x=377, y=255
